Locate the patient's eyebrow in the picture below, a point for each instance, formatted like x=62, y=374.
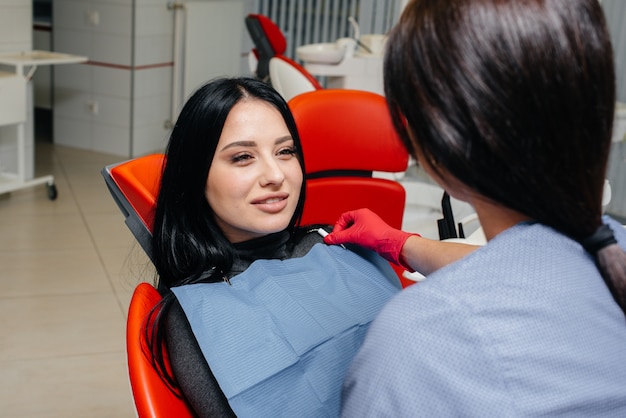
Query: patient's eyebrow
x=240, y=144
x=283, y=139
x=254, y=144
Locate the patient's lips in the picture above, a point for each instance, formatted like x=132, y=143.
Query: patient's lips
x=273, y=203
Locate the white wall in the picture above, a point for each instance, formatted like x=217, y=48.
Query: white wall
x=15, y=25
x=615, y=11
x=15, y=36
x=210, y=37
x=120, y=102
x=117, y=102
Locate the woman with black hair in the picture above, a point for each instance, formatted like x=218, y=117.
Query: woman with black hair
x=259, y=317
x=509, y=106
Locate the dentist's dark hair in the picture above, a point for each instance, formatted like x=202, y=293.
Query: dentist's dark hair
x=187, y=245
x=516, y=100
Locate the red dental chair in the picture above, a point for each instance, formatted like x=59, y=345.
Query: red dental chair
x=134, y=186
x=152, y=397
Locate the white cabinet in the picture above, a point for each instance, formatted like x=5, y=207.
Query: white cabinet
x=118, y=102
x=12, y=98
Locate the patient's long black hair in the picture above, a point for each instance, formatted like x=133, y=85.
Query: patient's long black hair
x=188, y=246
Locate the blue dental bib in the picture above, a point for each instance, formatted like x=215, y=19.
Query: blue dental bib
x=280, y=337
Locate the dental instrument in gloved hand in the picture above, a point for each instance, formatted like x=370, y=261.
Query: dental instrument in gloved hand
x=367, y=229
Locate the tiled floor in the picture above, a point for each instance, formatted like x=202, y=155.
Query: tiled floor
x=67, y=270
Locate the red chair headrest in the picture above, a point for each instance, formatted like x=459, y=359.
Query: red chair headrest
x=344, y=129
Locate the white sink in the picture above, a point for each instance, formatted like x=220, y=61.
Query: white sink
x=323, y=53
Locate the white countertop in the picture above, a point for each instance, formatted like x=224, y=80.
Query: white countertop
x=36, y=57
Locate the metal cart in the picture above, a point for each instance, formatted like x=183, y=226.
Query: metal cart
x=13, y=110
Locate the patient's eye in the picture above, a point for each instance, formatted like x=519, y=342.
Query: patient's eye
x=241, y=157
x=289, y=151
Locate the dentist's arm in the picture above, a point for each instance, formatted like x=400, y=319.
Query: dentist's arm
x=411, y=251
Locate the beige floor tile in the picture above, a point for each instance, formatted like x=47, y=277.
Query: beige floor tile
x=71, y=156
x=63, y=299
x=123, y=297
x=65, y=325
x=71, y=386
x=87, y=172
x=96, y=199
x=108, y=229
x=52, y=272
x=85, y=175
x=43, y=231
x=34, y=201
x=127, y=267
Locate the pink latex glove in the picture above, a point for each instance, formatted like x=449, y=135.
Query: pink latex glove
x=367, y=229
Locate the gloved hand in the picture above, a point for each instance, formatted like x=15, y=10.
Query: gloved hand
x=367, y=229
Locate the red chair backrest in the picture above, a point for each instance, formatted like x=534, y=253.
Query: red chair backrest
x=268, y=41
x=139, y=180
x=346, y=135
x=134, y=185
x=272, y=32
x=152, y=397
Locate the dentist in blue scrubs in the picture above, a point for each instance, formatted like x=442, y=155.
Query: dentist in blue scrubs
x=509, y=106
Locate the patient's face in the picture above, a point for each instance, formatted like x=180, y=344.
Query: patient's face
x=254, y=181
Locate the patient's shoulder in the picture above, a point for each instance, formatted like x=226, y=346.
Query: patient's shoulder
x=305, y=238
